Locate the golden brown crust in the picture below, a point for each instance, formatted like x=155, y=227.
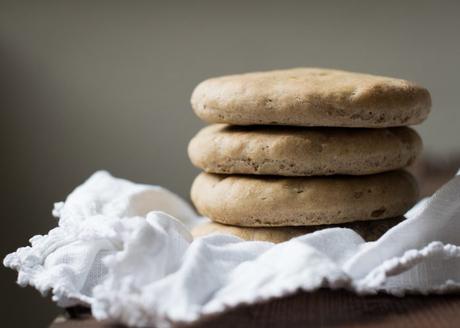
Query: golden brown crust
x=299, y=151
x=370, y=231
x=279, y=201
x=311, y=97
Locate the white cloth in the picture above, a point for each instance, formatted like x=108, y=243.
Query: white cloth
x=125, y=249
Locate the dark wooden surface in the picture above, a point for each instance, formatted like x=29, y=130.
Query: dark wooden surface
x=323, y=308
x=327, y=308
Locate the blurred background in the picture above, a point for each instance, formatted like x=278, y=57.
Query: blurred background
x=90, y=85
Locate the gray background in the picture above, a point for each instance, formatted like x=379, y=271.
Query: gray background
x=91, y=85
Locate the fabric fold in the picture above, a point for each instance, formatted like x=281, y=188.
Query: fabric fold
x=125, y=250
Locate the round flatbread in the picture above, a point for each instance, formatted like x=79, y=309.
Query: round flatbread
x=370, y=231
x=300, y=151
x=280, y=201
x=311, y=97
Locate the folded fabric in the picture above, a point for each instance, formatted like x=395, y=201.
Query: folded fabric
x=125, y=250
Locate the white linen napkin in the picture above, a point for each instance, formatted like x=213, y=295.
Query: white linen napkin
x=125, y=250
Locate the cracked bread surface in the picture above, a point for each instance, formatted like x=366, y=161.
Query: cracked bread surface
x=302, y=151
x=244, y=200
x=311, y=97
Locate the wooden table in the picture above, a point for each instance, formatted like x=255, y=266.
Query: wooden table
x=324, y=308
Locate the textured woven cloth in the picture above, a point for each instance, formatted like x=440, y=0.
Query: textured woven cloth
x=125, y=249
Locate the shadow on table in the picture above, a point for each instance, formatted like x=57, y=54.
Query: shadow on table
x=323, y=308
x=343, y=309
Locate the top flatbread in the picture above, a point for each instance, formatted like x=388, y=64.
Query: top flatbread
x=311, y=97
